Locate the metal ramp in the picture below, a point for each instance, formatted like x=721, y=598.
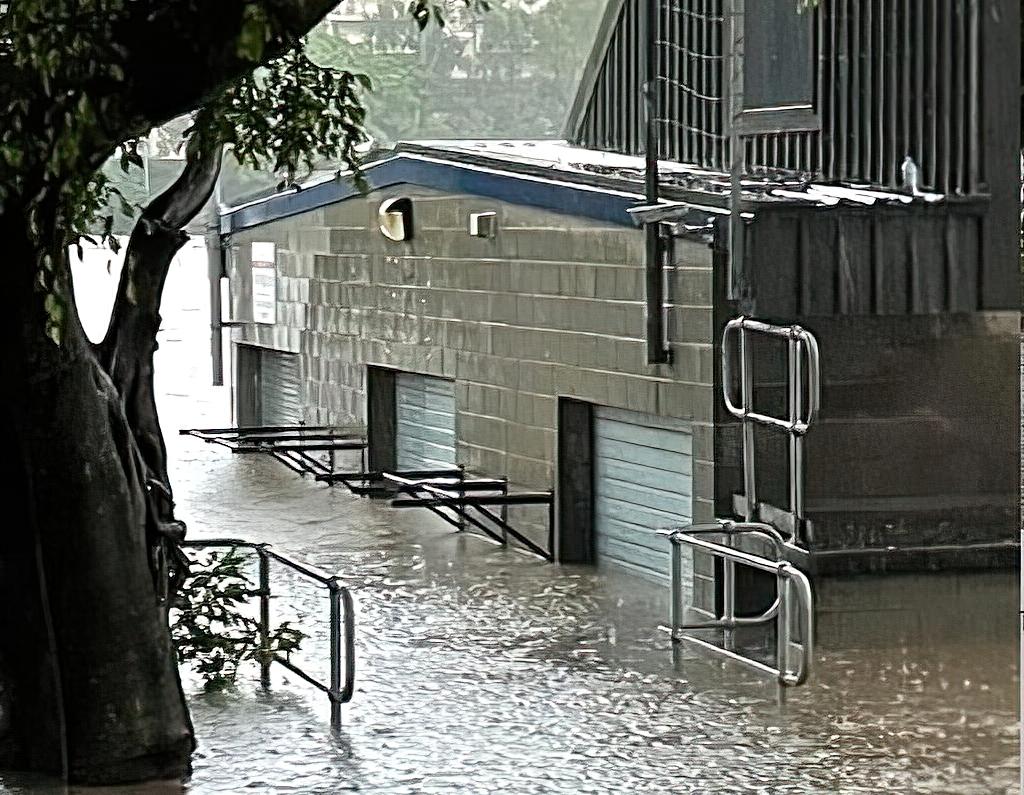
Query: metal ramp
x=304, y=449
x=480, y=504
x=467, y=503
x=767, y=538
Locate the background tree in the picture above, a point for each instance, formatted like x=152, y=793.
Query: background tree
x=90, y=689
x=509, y=73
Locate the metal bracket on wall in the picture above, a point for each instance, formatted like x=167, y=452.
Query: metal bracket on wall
x=468, y=502
x=460, y=501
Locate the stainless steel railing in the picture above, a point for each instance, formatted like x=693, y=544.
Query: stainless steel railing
x=341, y=622
x=794, y=598
x=804, y=399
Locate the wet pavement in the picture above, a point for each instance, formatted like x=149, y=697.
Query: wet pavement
x=483, y=670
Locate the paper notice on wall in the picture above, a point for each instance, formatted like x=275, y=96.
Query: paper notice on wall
x=264, y=283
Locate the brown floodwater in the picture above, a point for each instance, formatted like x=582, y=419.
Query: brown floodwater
x=482, y=669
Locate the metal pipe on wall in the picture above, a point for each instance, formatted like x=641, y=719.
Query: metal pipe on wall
x=657, y=350
x=735, y=10
x=215, y=271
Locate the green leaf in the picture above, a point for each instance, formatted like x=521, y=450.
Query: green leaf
x=55, y=316
x=254, y=35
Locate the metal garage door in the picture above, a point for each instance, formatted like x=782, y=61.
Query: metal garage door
x=643, y=477
x=280, y=388
x=425, y=427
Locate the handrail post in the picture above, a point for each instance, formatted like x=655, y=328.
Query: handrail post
x=782, y=626
x=265, y=658
x=796, y=440
x=552, y=516
x=676, y=608
x=504, y=512
x=335, y=639
x=350, y=646
x=461, y=510
x=747, y=398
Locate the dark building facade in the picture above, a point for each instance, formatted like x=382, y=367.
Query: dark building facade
x=553, y=312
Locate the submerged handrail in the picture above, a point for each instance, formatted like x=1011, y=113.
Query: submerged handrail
x=342, y=621
x=791, y=582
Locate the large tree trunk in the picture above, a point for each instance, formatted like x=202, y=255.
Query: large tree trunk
x=128, y=346
x=89, y=682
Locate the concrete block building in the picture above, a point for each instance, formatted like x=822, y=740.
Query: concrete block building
x=553, y=311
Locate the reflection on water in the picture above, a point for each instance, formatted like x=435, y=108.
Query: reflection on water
x=485, y=670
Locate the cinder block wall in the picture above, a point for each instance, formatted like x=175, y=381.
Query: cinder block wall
x=552, y=305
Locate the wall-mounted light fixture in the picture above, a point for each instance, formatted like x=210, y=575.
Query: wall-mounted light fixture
x=396, y=219
x=483, y=224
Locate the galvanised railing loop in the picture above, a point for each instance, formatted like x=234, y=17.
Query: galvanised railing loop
x=803, y=385
x=342, y=622
x=803, y=352
x=794, y=598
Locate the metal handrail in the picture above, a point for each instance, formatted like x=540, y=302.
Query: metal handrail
x=342, y=621
x=789, y=581
x=806, y=343
x=803, y=381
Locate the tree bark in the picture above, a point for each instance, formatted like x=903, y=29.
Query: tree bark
x=130, y=342
x=90, y=685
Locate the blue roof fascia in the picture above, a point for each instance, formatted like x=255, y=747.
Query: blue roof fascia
x=599, y=204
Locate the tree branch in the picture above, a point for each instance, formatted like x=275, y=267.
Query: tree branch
x=155, y=240
x=126, y=352
x=181, y=53
x=182, y=201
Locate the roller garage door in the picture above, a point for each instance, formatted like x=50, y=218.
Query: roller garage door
x=425, y=422
x=268, y=387
x=280, y=387
x=643, y=476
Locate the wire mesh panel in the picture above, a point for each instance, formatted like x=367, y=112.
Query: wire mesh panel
x=891, y=78
x=690, y=115
x=689, y=108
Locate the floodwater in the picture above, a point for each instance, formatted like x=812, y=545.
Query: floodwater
x=486, y=670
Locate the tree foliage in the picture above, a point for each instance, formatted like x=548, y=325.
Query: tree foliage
x=89, y=688
x=212, y=625
x=509, y=73
x=285, y=114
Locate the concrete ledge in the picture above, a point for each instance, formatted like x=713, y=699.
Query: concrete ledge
x=884, y=560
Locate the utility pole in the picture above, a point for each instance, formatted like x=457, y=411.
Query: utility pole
x=215, y=271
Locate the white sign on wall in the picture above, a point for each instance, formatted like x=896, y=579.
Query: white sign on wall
x=264, y=283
